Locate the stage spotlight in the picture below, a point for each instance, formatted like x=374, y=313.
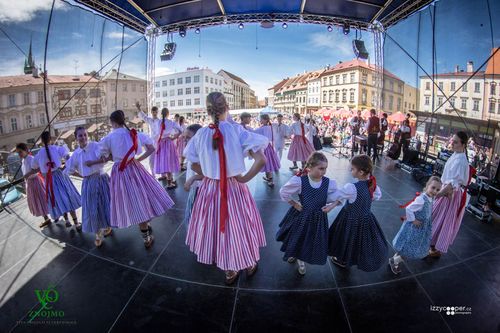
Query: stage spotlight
x=284, y=25
x=168, y=52
x=182, y=32
x=346, y=29
x=197, y=31
x=241, y=26
x=329, y=28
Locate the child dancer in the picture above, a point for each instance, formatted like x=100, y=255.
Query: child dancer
x=304, y=229
x=60, y=193
x=136, y=197
x=34, y=185
x=225, y=226
x=300, y=148
x=95, y=186
x=272, y=160
x=154, y=129
x=355, y=237
x=166, y=160
x=280, y=134
x=414, y=237
x=181, y=142
x=192, y=178
x=246, y=119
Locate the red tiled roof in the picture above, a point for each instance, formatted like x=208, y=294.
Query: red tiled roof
x=234, y=77
x=493, y=66
x=28, y=80
x=355, y=63
x=455, y=74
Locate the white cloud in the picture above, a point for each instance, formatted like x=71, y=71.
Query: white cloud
x=117, y=35
x=160, y=71
x=337, y=44
x=260, y=87
x=24, y=10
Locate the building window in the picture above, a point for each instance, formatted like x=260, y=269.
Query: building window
x=464, y=87
x=400, y=88
x=180, y=102
x=13, y=124
x=344, y=94
x=440, y=84
x=206, y=90
x=452, y=102
x=391, y=86
x=452, y=86
x=196, y=90
x=216, y=81
x=427, y=86
x=124, y=86
x=26, y=98
x=374, y=98
x=157, y=84
x=196, y=101
x=164, y=93
x=188, y=102
x=172, y=92
x=172, y=82
x=330, y=80
x=1, y=127
x=324, y=81
x=477, y=87
x=464, y=104
x=187, y=79
x=179, y=92
x=63, y=94
x=95, y=109
x=391, y=101
x=427, y=100
x=440, y=101
x=344, y=78
x=157, y=94
x=351, y=96
x=164, y=83
x=125, y=102
x=172, y=103
x=82, y=94
x=352, y=77
x=95, y=93
x=196, y=79
x=188, y=91
x=398, y=107
x=157, y=104
x=364, y=78
x=492, y=89
x=81, y=110
x=492, y=106
x=363, y=96
x=40, y=96
x=164, y=104
x=41, y=118
x=324, y=96
x=206, y=79
x=29, y=123
x=143, y=88
x=337, y=95
x=475, y=106
x=211, y=80
x=179, y=80
x=66, y=113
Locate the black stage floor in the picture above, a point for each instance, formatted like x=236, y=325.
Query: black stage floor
x=121, y=287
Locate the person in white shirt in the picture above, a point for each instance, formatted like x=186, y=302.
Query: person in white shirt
x=95, y=186
x=301, y=148
x=246, y=119
x=154, y=129
x=281, y=132
x=61, y=195
x=225, y=228
x=136, y=197
x=166, y=159
x=272, y=160
x=34, y=185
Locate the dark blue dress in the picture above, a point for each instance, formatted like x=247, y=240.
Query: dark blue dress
x=355, y=237
x=305, y=234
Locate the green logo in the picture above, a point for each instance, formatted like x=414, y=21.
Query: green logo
x=46, y=298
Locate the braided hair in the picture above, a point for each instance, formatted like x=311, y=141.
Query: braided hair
x=46, y=141
x=216, y=106
x=464, y=138
x=118, y=117
x=365, y=164
x=266, y=118
x=164, y=114
x=313, y=160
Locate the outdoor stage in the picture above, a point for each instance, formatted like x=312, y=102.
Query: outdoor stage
x=121, y=287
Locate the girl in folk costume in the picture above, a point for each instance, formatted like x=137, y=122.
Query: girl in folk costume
x=60, y=193
x=300, y=148
x=193, y=179
x=304, y=229
x=95, y=186
x=272, y=160
x=181, y=141
x=34, y=185
x=281, y=132
x=136, y=197
x=448, y=211
x=355, y=237
x=166, y=159
x=414, y=237
x=154, y=129
x=225, y=226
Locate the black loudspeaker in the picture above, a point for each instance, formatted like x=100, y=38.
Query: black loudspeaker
x=359, y=49
x=410, y=156
x=327, y=141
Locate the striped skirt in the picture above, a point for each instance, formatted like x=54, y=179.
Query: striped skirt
x=95, y=202
x=166, y=159
x=66, y=195
x=272, y=160
x=136, y=196
x=300, y=151
x=180, y=145
x=445, y=222
x=238, y=247
x=35, y=191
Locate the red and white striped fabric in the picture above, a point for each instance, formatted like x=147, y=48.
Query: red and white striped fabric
x=300, y=149
x=136, y=196
x=445, y=220
x=238, y=246
x=35, y=191
x=272, y=160
x=166, y=159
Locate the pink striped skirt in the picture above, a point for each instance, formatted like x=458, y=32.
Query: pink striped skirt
x=135, y=196
x=272, y=160
x=300, y=151
x=238, y=247
x=35, y=191
x=180, y=145
x=445, y=222
x=166, y=159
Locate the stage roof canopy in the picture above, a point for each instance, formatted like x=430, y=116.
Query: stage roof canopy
x=171, y=15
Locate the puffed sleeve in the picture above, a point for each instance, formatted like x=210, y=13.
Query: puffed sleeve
x=145, y=139
x=292, y=187
x=252, y=141
x=71, y=164
x=332, y=189
x=34, y=162
x=377, y=194
x=177, y=127
x=191, y=150
x=414, y=207
x=348, y=192
x=104, y=147
x=62, y=151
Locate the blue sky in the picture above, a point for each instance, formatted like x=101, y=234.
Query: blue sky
x=260, y=56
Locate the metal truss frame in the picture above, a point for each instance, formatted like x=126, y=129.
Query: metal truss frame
x=403, y=11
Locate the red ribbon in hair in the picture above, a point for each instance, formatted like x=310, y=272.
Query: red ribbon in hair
x=125, y=161
x=407, y=204
x=224, y=211
x=303, y=132
x=472, y=172
x=372, y=185
x=49, y=185
x=302, y=172
x=159, y=138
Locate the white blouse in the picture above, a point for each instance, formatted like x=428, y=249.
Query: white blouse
x=266, y=131
x=77, y=161
x=349, y=192
x=56, y=154
x=415, y=206
x=171, y=128
x=118, y=142
x=311, y=131
x=456, y=170
x=294, y=187
x=295, y=129
x=153, y=124
x=237, y=144
x=280, y=133
x=27, y=164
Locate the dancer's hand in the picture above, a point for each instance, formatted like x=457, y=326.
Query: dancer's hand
x=297, y=206
x=328, y=207
x=417, y=223
x=89, y=163
x=241, y=178
x=187, y=184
